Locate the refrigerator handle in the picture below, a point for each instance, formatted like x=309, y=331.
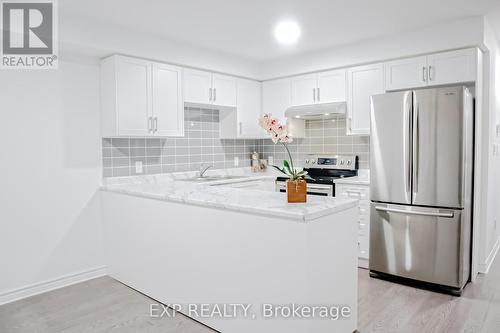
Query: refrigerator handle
x=414, y=212
x=408, y=114
x=415, y=145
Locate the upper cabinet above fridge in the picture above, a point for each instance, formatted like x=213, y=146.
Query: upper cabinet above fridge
x=205, y=88
x=432, y=70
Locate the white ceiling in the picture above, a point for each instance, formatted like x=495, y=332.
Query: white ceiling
x=244, y=27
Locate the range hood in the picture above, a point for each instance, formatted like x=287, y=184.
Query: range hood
x=316, y=111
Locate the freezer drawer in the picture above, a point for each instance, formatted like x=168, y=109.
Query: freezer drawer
x=424, y=244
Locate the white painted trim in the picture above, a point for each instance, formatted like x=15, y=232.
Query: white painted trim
x=48, y=285
x=478, y=196
x=485, y=267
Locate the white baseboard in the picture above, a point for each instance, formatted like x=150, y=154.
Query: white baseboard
x=42, y=287
x=485, y=267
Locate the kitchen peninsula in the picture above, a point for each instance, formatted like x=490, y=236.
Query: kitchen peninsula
x=189, y=242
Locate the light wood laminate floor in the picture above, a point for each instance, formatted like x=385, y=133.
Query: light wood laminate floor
x=105, y=305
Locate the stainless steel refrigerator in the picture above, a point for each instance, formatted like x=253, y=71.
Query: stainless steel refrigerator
x=421, y=165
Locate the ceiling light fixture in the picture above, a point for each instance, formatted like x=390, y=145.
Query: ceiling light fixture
x=287, y=32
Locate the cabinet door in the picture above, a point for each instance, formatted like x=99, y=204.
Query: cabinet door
x=197, y=86
x=452, y=67
x=133, y=96
x=249, y=109
x=364, y=81
x=331, y=87
x=304, y=89
x=406, y=73
x=276, y=98
x=224, y=92
x=168, y=108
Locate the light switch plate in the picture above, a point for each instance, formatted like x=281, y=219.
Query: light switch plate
x=236, y=161
x=270, y=160
x=138, y=167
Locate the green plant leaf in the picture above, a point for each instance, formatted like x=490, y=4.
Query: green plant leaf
x=279, y=169
x=287, y=167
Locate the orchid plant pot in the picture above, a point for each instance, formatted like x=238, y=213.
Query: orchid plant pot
x=296, y=190
x=296, y=186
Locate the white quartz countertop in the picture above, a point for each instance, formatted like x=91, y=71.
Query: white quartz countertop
x=363, y=178
x=172, y=187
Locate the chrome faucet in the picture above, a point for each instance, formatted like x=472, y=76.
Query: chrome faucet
x=203, y=170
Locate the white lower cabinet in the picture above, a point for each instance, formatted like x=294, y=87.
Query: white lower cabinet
x=361, y=193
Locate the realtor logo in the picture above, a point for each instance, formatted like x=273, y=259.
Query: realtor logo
x=29, y=39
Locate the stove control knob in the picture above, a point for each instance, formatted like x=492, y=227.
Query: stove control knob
x=341, y=162
x=307, y=161
x=313, y=161
x=349, y=162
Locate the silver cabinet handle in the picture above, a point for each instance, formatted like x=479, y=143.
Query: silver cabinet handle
x=314, y=94
x=430, y=73
x=215, y=94
x=150, y=124
x=156, y=124
x=414, y=212
x=353, y=192
x=209, y=94
x=318, y=95
x=240, y=124
x=424, y=74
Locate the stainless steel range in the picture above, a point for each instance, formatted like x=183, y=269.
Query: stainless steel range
x=324, y=170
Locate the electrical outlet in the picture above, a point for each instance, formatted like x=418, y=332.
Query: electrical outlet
x=498, y=131
x=138, y=167
x=270, y=160
x=236, y=161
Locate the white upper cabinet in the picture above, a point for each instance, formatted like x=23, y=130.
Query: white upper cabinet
x=324, y=87
x=435, y=69
x=224, y=90
x=133, y=96
x=248, y=109
x=197, y=86
x=331, y=87
x=168, y=106
x=406, y=73
x=276, y=98
x=304, y=89
x=363, y=82
x=244, y=121
x=140, y=98
x=452, y=67
x=209, y=89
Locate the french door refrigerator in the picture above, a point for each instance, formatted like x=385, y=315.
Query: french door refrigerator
x=421, y=186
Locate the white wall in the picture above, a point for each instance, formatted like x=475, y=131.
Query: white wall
x=86, y=37
x=490, y=229
x=449, y=35
x=50, y=171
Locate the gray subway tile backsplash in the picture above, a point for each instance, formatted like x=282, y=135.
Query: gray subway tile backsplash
x=326, y=137
x=202, y=146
